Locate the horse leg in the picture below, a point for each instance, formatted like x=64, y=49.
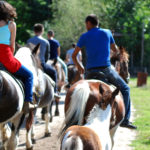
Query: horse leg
x=47, y=126
x=32, y=130
x=16, y=124
x=50, y=111
x=112, y=134
x=57, y=107
x=5, y=135
x=29, y=124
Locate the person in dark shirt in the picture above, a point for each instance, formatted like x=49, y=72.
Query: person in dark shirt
x=97, y=43
x=55, y=52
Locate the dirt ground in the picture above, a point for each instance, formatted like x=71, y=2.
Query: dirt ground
x=123, y=136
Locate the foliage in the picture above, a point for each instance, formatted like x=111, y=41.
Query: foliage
x=66, y=18
x=69, y=19
x=30, y=12
x=140, y=99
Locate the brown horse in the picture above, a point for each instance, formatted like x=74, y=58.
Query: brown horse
x=120, y=62
x=79, y=103
x=60, y=85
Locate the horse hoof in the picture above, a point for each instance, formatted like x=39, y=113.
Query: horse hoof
x=30, y=148
x=56, y=113
x=47, y=134
x=33, y=141
x=51, y=119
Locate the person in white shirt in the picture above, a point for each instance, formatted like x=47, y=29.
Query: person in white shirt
x=69, y=60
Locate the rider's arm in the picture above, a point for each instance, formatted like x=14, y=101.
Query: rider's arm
x=80, y=57
x=114, y=48
x=58, y=51
x=47, y=52
x=12, y=28
x=67, y=58
x=75, y=60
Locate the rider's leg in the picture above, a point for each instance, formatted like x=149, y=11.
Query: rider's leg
x=51, y=72
x=27, y=76
x=114, y=78
x=64, y=67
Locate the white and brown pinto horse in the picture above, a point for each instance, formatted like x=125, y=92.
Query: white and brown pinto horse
x=94, y=104
x=44, y=88
x=12, y=98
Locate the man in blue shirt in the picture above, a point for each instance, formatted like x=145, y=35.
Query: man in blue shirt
x=44, y=52
x=55, y=52
x=97, y=43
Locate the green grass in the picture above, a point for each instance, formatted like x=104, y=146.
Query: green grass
x=141, y=101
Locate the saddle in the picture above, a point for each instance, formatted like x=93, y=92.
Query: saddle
x=18, y=80
x=98, y=76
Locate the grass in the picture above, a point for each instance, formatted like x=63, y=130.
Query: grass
x=141, y=101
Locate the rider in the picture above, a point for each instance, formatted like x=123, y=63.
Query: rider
x=55, y=52
x=97, y=42
x=7, y=48
x=69, y=60
x=44, y=52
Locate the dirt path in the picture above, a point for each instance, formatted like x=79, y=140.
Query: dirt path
x=123, y=136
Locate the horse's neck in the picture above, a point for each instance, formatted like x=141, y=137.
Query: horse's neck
x=99, y=121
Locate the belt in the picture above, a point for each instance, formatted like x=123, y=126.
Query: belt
x=95, y=68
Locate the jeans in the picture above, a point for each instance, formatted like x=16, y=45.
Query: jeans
x=64, y=67
x=50, y=71
x=114, y=78
x=27, y=77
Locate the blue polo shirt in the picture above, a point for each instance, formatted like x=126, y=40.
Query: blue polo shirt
x=97, y=43
x=44, y=47
x=54, y=44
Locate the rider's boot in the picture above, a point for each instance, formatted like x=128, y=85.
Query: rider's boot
x=27, y=106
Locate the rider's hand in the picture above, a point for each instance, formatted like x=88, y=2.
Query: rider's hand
x=81, y=70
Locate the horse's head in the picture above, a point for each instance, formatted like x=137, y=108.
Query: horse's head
x=106, y=96
x=120, y=62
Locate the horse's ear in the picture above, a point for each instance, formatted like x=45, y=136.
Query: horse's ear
x=115, y=93
x=36, y=48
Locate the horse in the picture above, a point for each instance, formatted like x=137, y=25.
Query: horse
x=44, y=90
x=43, y=86
x=60, y=85
x=11, y=104
x=120, y=62
x=93, y=111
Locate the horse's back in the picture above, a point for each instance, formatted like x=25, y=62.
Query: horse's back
x=80, y=137
x=47, y=90
x=118, y=107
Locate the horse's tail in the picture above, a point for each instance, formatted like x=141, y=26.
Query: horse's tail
x=76, y=110
x=30, y=120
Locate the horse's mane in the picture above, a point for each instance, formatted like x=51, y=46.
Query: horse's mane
x=36, y=57
x=38, y=62
x=124, y=56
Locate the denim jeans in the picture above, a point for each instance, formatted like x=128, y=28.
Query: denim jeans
x=64, y=67
x=27, y=77
x=114, y=78
x=50, y=71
